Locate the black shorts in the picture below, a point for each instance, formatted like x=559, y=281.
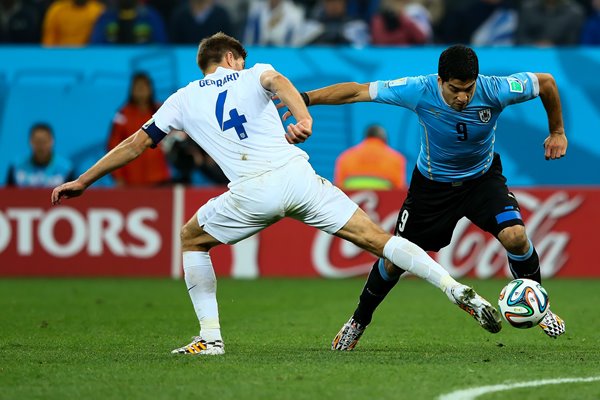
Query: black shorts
x=432, y=209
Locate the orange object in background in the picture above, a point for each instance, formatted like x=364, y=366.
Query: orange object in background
x=371, y=164
x=70, y=23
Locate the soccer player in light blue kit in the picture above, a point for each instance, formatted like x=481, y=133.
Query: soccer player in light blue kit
x=457, y=173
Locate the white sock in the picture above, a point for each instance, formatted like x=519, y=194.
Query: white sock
x=202, y=288
x=415, y=260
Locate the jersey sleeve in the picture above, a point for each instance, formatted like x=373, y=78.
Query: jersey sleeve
x=403, y=92
x=257, y=71
x=167, y=118
x=516, y=88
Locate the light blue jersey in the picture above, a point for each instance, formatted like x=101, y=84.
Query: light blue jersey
x=29, y=174
x=456, y=145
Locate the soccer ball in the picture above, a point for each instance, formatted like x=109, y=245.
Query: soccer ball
x=523, y=303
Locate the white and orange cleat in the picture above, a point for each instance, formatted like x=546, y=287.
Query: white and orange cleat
x=479, y=308
x=199, y=346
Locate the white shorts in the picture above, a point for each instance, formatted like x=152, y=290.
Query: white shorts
x=294, y=190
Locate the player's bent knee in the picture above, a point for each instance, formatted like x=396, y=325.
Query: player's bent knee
x=372, y=242
x=194, y=238
x=364, y=233
x=513, y=238
x=185, y=234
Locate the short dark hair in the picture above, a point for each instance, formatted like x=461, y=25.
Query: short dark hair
x=142, y=76
x=458, y=62
x=41, y=126
x=213, y=48
x=376, y=131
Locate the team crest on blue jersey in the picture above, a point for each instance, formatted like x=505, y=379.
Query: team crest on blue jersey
x=485, y=115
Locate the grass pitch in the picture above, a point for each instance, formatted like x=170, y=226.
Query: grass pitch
x=111, y=339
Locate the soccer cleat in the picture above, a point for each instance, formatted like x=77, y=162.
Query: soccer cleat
x=466, y=298
x=552, y=325
x=348, y=336
x=201, y=347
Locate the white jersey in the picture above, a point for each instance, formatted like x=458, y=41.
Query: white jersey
x=232, y=117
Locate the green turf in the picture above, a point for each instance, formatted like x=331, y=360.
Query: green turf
x=110, y=339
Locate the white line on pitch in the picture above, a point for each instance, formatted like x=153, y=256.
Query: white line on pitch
x=473, y=393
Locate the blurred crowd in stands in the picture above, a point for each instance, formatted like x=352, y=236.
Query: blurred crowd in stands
x=176, y=159
x=75, y=23
x=301, y=22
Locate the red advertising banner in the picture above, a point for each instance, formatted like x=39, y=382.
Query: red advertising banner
x=559, y=222
x=103, y=233
x=134, y=232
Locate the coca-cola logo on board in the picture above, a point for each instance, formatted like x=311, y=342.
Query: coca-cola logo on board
x=471, y=250
x=324, y=243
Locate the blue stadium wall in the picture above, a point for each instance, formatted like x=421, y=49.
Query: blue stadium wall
x=78, y=92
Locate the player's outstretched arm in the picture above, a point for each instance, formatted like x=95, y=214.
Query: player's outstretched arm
x=128, y=150
x=281, y=86
x=555, y=145
x=340, y=93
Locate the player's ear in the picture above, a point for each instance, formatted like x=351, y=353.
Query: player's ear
x=230, y=58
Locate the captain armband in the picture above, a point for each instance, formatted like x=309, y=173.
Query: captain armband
x=155, y=133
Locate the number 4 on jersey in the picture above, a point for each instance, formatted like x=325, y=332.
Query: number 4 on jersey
x=235, y=120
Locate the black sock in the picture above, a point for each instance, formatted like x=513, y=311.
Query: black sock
x=375, y=290
x=526, y=266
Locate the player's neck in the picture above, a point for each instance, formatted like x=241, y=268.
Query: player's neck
x=41, y=161
x=211, y=69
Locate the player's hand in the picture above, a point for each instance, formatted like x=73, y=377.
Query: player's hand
x=555, y=146
x=299, y=132
x=67, y=191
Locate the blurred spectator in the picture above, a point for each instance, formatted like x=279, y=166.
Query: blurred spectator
x=151, y=168
x=425, y=13
x=591, y=30
x=363, y=9
x=186, y=157
x=274, y=23
x=130, y=22
x=371, y=164
x=460, y=24
x=70, y=22
x=238, y=13
x=550, y=22
x=19, y=22
x=308, y=6
x=499, y=29
x=333, y=25
x=391, y=26
x=164, y=7
x=41, y=6
x=42, y=168
x=197, y=19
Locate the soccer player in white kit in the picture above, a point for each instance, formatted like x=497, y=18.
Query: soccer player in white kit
x=230, y=113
